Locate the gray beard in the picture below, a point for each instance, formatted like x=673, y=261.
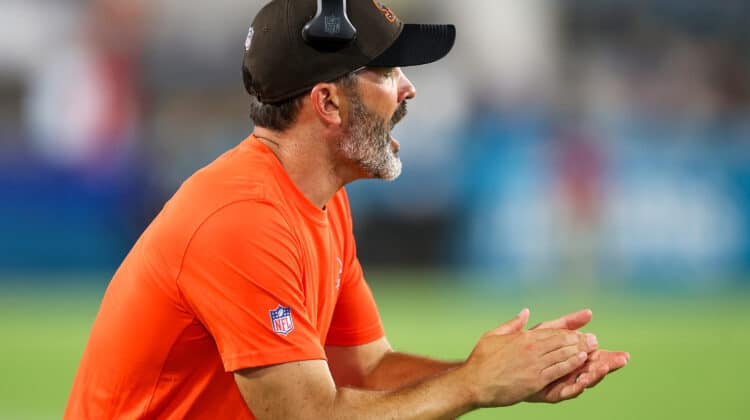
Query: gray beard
x=367, y=141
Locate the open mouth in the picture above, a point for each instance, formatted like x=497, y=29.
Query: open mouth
x=395, y=145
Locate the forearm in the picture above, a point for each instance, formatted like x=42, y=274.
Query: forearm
x=303, y=390
x=445, y=395
x=396, y=370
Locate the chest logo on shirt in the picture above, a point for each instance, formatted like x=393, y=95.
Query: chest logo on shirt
x=281, y=320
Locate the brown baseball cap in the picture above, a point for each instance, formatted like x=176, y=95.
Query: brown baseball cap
x=279, y=64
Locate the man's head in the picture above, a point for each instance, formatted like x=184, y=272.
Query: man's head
x=376, y=102
x=358, y=87
x=362, y=107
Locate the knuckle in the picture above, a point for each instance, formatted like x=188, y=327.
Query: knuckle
x=576, y=361
x=559, y=355
x=566, y=339
x=550, y=373
x=568, y=365
x=560, y=369
x=584, y=344
x=570, y=352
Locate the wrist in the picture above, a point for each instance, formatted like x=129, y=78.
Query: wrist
x=467, y=388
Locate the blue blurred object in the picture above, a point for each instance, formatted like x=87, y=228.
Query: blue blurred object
x=60, y=219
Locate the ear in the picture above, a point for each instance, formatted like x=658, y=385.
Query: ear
x=326, y=99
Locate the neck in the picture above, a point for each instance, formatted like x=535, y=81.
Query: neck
x=308, y=160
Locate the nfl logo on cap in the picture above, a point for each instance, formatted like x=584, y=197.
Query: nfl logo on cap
x=281, y=320
x=333, y=24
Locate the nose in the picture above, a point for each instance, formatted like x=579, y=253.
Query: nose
x=406, y=90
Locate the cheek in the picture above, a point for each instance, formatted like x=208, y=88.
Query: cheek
x=388, y=106
x=384, y=98
x=392, y=93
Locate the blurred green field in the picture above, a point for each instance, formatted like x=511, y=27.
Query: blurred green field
x=689, y=352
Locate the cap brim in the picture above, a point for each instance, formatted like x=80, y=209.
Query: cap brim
x=417, y=44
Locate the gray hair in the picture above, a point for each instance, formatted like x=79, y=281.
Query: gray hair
x=280, y=116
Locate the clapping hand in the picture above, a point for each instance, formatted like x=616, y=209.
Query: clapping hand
x=599, y=364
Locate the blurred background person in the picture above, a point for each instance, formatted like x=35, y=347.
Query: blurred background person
x=75, y=187
x=83, y=104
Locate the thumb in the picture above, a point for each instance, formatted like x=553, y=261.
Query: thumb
x=515, y=324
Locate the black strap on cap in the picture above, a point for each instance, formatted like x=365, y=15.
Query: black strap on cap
x=330, y=29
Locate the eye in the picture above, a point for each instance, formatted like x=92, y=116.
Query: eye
x=389, y=72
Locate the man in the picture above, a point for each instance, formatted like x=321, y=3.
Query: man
x=245, y=298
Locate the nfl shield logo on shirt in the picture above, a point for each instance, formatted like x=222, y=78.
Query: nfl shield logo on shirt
x=281, y=320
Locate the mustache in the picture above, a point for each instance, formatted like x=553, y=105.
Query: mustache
x=399, y=114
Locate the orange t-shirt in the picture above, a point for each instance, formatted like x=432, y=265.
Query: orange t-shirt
x=238, y=270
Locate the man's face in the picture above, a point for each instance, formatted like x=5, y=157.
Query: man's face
x=367, y=140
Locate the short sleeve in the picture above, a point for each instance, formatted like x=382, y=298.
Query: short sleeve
x=356, y=319
x=241, y=276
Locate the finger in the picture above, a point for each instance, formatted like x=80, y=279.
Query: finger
x=559, y=391
x=571, y=391
x=589, y=374
x=585, y=342
x=571, y=321
x=616, y=360
x=558, y=370
x=514, y=325
x=555, y=335
x=613, y=360
x=559, y=355
x=600, y=364
x=595, y=373
x=569, y=386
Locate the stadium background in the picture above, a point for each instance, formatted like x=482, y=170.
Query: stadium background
x=581, y=153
